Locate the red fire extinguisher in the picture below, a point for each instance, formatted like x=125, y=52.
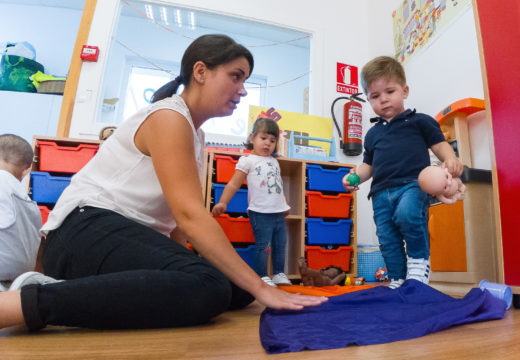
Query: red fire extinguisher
x=351, y=142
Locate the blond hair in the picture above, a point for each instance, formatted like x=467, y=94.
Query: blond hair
x=382, y=67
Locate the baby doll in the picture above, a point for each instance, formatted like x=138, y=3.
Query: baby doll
x=331, y=275
x=437, y=181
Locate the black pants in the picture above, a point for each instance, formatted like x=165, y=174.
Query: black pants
x=121, y=274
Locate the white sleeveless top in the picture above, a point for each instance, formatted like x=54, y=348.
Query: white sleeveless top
x=122, y=179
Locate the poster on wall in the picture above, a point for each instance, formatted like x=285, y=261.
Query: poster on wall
x=416, y=21
x=346, y=78
x=299, y=124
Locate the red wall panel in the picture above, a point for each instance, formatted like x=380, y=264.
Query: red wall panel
x=500, y=33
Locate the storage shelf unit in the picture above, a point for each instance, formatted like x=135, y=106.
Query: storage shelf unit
x=296, y=184
x=55, y=161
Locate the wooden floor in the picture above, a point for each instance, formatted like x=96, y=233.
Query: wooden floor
x=234, y=335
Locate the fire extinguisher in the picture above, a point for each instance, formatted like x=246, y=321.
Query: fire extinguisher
x=351, y=142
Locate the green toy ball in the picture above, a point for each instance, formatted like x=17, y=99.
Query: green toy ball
x=353, y=179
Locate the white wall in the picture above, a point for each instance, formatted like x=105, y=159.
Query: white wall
x=347, y=31
x=52, y=32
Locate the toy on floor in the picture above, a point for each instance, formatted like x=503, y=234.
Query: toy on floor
x=437, y=181
x=331, y=275
x=349, y=281
x=382, y=274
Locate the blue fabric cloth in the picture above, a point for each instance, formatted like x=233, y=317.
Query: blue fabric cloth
x=398, y=150
x=374, y=316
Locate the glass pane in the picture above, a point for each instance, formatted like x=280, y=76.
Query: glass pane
x=150, y=39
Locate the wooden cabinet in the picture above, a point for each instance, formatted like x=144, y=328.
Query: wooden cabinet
x=295, y=184
x=462, y=235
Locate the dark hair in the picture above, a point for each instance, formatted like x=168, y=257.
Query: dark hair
x=266, y=125
x=16, y=150
x=213, y=50
x=382, y=67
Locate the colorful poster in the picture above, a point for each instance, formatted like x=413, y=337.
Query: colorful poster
x=416, y=21
x=301, y=124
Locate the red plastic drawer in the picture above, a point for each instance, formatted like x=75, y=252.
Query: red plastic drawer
x=67, y=159
x=238, y=230
x=319, y=205
x=44, y=211
x=225, y=168
x=319, y=258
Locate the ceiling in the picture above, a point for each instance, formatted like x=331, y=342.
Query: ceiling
x=266, y=33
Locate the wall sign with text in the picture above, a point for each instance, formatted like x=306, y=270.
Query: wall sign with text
x=347, y=79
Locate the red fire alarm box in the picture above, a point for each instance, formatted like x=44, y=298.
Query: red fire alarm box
x=89, y=53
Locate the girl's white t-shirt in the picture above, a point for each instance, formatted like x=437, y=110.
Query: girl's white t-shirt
x=122, y=179
x=264, y=183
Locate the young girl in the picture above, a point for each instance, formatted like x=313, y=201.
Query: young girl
x=267, y=205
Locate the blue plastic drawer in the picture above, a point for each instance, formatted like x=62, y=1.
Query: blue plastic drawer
x=325, y=232
x=237, y=204
x=47, y=188
x=319, y=178
x=247, y=254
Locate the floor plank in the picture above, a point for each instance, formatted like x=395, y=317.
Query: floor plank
x=234, y=335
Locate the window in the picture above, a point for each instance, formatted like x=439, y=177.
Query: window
x=146, y=49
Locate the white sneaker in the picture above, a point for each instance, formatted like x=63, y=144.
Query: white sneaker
x=418, y=269
x=268, y=281
x=394, y=284
x=281, y=279
x=4, y=285
x=31, y=277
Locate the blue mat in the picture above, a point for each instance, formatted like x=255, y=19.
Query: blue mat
x=374, y=316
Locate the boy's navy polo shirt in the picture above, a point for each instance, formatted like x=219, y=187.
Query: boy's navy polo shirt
x=398, y=150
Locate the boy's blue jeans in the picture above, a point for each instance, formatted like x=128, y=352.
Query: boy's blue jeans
x=401, y=216
x=270, y=233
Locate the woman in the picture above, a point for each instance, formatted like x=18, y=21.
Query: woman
x=110, y=233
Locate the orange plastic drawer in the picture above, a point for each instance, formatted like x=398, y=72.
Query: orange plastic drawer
x=67, y=159
x=319, y=258
x=44, y=211
x=238, y=230
x=319, y=205
x=225, y=168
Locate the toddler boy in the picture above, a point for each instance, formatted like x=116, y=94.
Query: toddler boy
x=396, y=150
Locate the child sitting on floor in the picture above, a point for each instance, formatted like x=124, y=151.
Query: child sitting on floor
x=20, y=218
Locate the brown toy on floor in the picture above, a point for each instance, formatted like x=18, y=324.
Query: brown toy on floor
x=329, y=276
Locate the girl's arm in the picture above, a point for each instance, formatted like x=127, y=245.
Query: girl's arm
x=167, y=137
x=445, y=153
x=229, y=191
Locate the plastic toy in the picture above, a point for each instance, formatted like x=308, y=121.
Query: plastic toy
x=382, y=274
x=331, y=275
x=437, y=181
x=353, y=179
x=349, y=281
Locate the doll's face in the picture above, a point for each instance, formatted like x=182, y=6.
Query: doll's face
x=436, y=181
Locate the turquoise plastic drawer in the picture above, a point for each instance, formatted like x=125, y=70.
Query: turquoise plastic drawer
x=319, y=178
x=237, y=204
x=328, y=232
x=47, y=188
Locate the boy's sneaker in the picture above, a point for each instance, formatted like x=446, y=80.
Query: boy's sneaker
x=268, y=281
x=281, y=279
x=418, y=269
x=394, y=284
x=32, y=277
